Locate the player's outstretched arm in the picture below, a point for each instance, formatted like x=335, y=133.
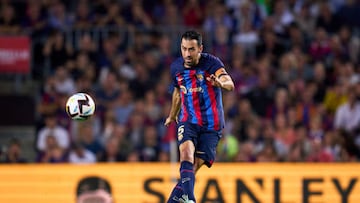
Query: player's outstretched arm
x=221, y=79
x=175, y=107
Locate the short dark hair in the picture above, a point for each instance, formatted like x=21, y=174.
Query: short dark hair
x=191, y=34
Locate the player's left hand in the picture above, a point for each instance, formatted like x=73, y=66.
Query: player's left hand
x=214, y=80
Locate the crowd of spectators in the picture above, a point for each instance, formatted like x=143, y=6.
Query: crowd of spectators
x=295, y=65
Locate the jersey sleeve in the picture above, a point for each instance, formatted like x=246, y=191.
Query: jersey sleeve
x=216, y=64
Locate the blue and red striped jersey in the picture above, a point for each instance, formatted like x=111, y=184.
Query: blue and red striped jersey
x=201, y=103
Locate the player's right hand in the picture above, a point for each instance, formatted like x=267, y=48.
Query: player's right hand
x=169, y=120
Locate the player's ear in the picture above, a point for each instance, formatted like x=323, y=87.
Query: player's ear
x=201, y=48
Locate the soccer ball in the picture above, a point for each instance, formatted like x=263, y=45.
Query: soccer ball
x=80, y=106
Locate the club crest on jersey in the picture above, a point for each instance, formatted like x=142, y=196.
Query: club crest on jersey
x=200, y=77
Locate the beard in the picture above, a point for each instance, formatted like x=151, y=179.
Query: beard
x=189, y=61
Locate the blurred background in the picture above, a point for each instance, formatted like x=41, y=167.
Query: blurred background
x=295, y=65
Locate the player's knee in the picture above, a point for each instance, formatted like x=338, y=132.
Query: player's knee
x=187, y=154
x=187, y=150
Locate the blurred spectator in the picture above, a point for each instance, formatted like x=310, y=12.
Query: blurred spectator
x=123, y=107
x=152, y=107
x=64, y=84
x=284, y=135
x=253, y=133
x=228, y=148
x=333, y=144
x=14, y=152
x=84, y=19
x=138, y=17
x=149, y=148
x=35, y=20
x=305, y=20
x=111, y=151
x=347, y=116
x=133, y=157
x=58, y=18
x=247, y=38
x=318, y=152
x=106, y=54
x=192, y=13
x=261, y=96
x=302, y=138
x=57, y=50
x=164, y=156
x=306, y=107
x=280, y=105
x=320, y=46
x=348, y=14
x=79, y=155
x=246, y=153
x=107, y=93
x=316, y=129
x=269, y=46
x=89, y=139
x=349, y=44
x=112, y=15
x=326, y=19
x=287, y=69
x=82, y=67
x=295, y=38
x=282, y=15
x=87, y=46
x=136, y=124
x=221, y=45
x=171, y=15
x=335, y=96
x=121, y=133
x=9, y=23
x=245, y=117
x=247, y=78
x=268, y=154
x=53, y=152
x=296, y=153
x=218, y=16
x=52, y=128
x=142, y=82
x=47, y=102
x=320, y=83
x=248, y=12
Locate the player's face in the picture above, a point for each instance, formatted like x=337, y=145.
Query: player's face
x=190, y=51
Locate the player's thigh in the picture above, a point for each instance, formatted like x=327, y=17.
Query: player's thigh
x=187, y=136
x=206, y=146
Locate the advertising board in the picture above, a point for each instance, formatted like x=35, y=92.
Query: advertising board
x=151, y=183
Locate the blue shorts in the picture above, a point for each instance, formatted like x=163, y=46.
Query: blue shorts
x=205, y=140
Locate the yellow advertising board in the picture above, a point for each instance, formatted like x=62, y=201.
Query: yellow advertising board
x=152, y=182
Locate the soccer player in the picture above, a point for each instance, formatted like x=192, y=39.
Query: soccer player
x=198, y=79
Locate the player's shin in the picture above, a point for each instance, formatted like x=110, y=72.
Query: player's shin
x=176, y=193
x=187, y=178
